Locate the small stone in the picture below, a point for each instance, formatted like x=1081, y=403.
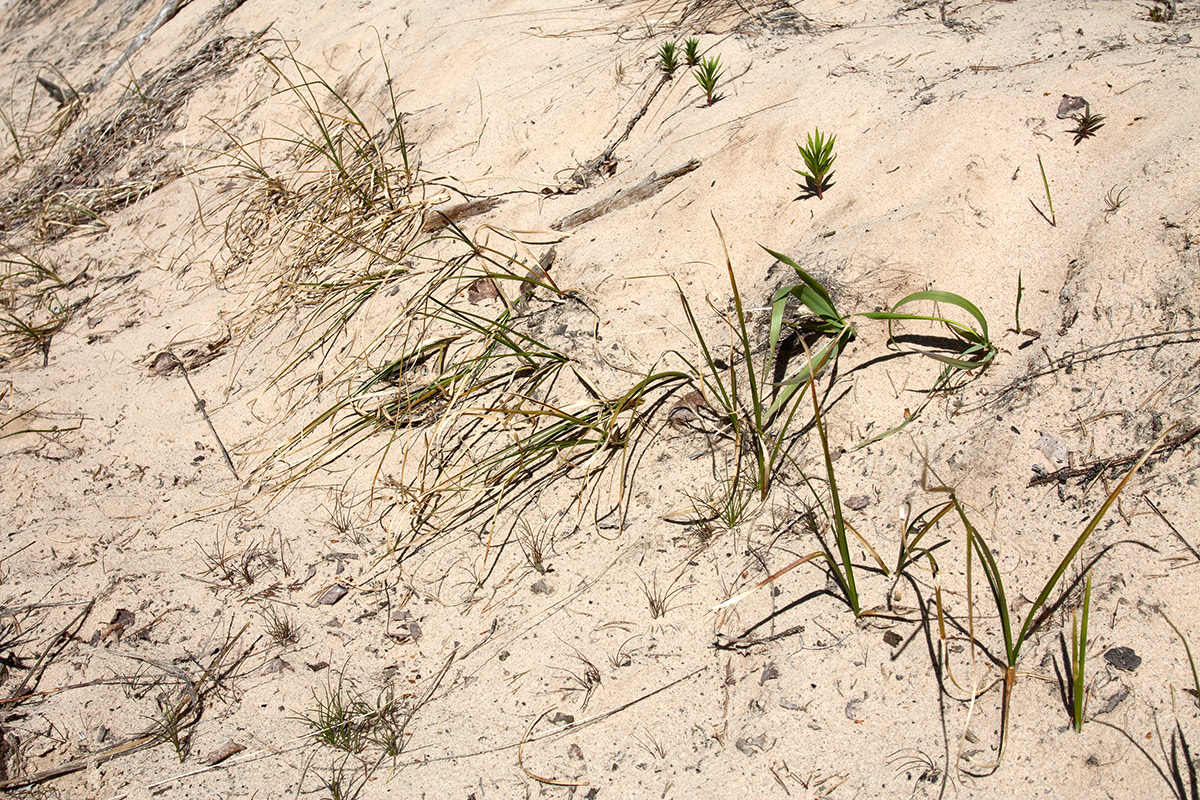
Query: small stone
x=275, y=666
x=333, y=595
x=858, y=502
x=1123, y=658
x=1070, y=105
x=164, y=363
x=482, y=290
x=892, y=639
x=751, y=745
x=230, y=748
x=852, y=707
x=686, y=409
x=770, y=673
x=1054, y=449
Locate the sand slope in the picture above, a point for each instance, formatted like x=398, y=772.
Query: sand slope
x=293, y=304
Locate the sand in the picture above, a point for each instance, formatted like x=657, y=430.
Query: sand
x=292, y=299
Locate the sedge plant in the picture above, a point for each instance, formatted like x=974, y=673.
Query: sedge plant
x=761, y=416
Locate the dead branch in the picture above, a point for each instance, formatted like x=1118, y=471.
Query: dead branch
x=1091, y=469
x=165, y=14
x=649, y=187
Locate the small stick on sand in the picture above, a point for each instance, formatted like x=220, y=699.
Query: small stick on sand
x=200, y=407
x=649, y=187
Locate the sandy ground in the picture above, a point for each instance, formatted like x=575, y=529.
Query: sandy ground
x=329, y=466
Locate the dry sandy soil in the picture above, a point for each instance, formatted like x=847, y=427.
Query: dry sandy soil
x=342, y=456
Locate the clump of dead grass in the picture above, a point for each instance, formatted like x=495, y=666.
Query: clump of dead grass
x=76, y=181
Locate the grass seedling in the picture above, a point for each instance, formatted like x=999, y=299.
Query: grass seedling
x=668, y=58
x=1187, y=648
x=281, y=627
x=707, y=74
x=1161, y=11
x=536, y=545
x=340, y=721
x=1079, y=629
x=691, y=51
x=1114, y=199
x=1015, y=638
x=1049, y=202
x=659, y=598
x=818, y=157
x=1086, y=125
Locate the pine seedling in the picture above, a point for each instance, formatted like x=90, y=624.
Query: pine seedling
x=707, y=74
x=818, y=157
x=1086, y=125
x=668, y=58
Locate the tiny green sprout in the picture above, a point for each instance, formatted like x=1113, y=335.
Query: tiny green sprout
x=707, y=75
x=818, y=158
x=691, y=51
x=668, y=58
x=1086, y=125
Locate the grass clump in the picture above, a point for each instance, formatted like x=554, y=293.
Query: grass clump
x=691, y=51
x=817, y=153
x=340, y=720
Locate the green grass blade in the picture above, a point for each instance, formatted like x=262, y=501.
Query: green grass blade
x=812, y=293
x=845, y=574
x=1078, y=653
x=995, y=582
